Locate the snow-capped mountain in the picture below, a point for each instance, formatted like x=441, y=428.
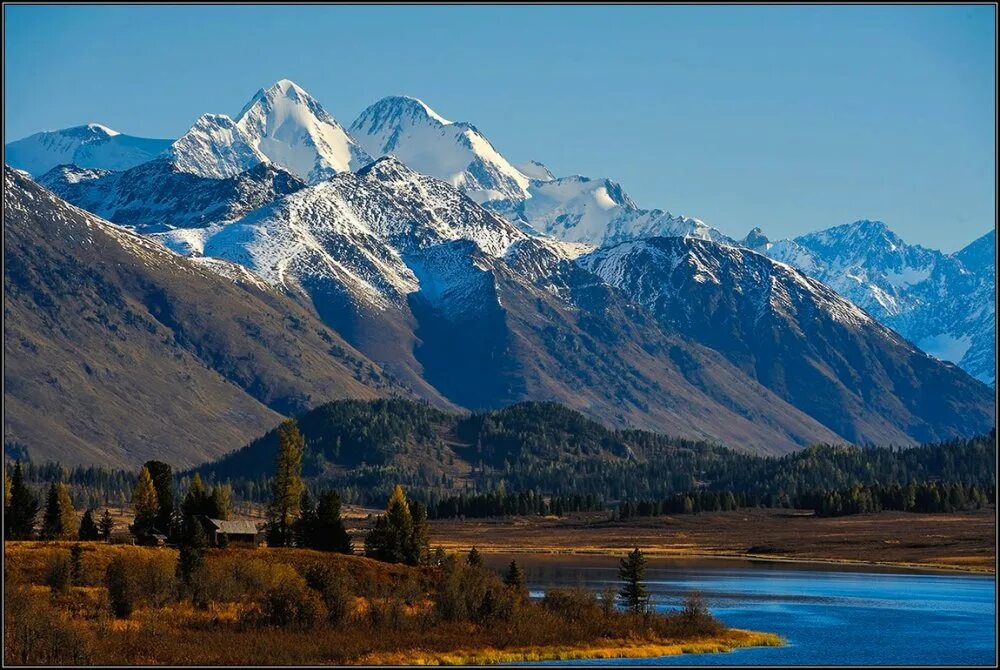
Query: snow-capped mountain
x=117, y=350
x=757, y=241
x=88, y=146
x=282, y=124
x=454, y=152
x=595, y=211
x=935, y=300
x=572, y=209
x=535, y=171
x=157, y=195
x=355, y=228
x=798, y=338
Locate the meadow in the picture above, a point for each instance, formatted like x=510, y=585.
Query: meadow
x=298, y=606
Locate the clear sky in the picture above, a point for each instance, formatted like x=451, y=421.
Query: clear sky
x=787, y=118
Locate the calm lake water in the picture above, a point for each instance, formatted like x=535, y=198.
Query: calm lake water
x=828, y=617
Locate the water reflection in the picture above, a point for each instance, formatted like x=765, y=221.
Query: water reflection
x=845, y=616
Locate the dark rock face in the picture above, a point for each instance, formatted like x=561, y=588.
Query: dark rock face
x=801, y=340
x=156, y=196
x=117, y=350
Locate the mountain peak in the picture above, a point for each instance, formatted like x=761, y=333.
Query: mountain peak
x=756, y=240
x=282, y=124
x=396, y=111
x=456, y=153
x=386, y=167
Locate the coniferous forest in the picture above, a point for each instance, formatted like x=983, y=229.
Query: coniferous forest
x=542, y=458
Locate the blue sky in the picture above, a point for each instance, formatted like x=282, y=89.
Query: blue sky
x=787, y=118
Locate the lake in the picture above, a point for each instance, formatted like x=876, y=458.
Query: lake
x=836, y=616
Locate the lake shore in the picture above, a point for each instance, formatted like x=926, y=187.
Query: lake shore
x=897, y=541
x=728, y=640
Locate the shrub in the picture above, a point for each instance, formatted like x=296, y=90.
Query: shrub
x=332, y=586
x=135, y=579
x=575, y=605
x=120, y=594
x=58, y=573
x=35, y=634
x=472, y=593
x=291, y=604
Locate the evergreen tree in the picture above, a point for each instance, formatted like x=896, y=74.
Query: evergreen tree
x=514, y=577
x=163, y=482
x=632, y=570
x=329, y=533
x=391, y=539
x=377, y=540
x=474, y=559
x=192, y=547
x=305, y=525
x=59, y=521
x=420, y=546
x=220, y=499
x=286, y=489
x=20, y=511
x=145, y=505
x=107, y=525
x=88, y=528
x=196, y=501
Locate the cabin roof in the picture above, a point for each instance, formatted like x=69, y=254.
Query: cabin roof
x=234, y=526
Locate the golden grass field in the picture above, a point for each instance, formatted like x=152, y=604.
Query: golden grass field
x=963, y=541
x=391, y=618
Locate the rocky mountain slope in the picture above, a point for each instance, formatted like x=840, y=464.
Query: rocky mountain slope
x=942, y=303
x=158, y=196
x=117, y=350
x=800, y=339
x=466, y=304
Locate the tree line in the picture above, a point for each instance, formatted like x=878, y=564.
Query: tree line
x=922, y=497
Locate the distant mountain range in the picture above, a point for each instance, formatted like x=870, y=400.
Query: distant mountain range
x=454, y=276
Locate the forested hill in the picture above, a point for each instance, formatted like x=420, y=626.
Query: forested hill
x=365, y=447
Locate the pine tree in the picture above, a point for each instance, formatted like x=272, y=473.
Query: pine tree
x=286, y=489
x=190, y=556
x=163, y=482
x=421, y=544
x=195, y=501
x=400, y=524
x=474, y=559
x=514, y=577
x=88, y=528
x=632, y=570
x=391, y=538
x=145, y=505
x=329, y=533
x=107, y=525
x=59, y=521
x=221, y=496
x=305, y=525
x=22, y=508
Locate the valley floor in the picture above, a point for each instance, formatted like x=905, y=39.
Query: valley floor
x=963, y=541
x=254, y=602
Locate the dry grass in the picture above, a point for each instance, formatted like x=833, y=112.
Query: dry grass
x=720, y=643
x=961, y=541
x=391, y=617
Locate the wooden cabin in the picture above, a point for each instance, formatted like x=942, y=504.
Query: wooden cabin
x=223, y=532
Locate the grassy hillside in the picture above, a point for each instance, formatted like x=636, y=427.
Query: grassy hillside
x=286, y=607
